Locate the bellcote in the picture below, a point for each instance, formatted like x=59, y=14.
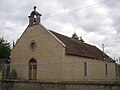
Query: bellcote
x=34, y=17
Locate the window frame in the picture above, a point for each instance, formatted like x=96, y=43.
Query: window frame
x=33, y=45
x=106, y=69
x=85, y=69
x=32, y=69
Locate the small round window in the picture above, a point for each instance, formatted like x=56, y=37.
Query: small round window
x=33, y=45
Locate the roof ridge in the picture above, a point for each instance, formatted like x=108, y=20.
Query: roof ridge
x=75, y=47
x=72, y=38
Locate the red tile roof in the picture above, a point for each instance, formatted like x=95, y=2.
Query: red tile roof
x=78, y=48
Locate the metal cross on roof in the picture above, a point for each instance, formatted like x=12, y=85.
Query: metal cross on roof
x=35, y=8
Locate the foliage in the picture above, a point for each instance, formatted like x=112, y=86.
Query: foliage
x=74, y=36
x=4, y=49
x=12, y=74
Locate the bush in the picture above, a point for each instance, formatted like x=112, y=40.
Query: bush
x=12, y=74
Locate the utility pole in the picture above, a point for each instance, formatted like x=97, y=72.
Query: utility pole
x=103, y=51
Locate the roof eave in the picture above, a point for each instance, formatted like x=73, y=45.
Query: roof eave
x=108, y=60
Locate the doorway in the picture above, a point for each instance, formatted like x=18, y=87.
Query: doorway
x=32, y=69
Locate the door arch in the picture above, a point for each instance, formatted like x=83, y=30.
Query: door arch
x=32, y=69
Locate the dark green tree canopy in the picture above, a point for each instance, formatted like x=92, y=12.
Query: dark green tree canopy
x=4, y=49
x=74, y=36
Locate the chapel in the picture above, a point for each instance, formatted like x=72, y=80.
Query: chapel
x=45, y=55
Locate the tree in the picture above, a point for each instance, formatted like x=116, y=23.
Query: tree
x=74, y=36
x=4, y=49
x=12, y=74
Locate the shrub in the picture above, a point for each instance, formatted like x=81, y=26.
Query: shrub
x=12, y=74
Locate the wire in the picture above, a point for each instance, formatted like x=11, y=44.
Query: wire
x=12, y=26
x=64, y=13
x=77, y=9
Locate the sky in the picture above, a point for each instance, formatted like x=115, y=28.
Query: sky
x=97, y=21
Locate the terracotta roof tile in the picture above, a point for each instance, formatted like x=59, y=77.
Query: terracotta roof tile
x=75, y=47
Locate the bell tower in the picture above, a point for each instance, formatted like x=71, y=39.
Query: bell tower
x=34, y=17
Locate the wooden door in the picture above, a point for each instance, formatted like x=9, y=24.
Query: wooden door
x=32, y=70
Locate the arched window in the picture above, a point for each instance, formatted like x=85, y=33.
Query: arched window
x=32, y=69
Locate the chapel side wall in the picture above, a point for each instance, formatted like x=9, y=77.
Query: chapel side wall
x=74, y=69
x=49, y=53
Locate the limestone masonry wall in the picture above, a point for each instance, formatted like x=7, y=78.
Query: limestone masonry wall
x=83, y=85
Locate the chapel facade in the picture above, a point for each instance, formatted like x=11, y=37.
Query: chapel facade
x=44, y=55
